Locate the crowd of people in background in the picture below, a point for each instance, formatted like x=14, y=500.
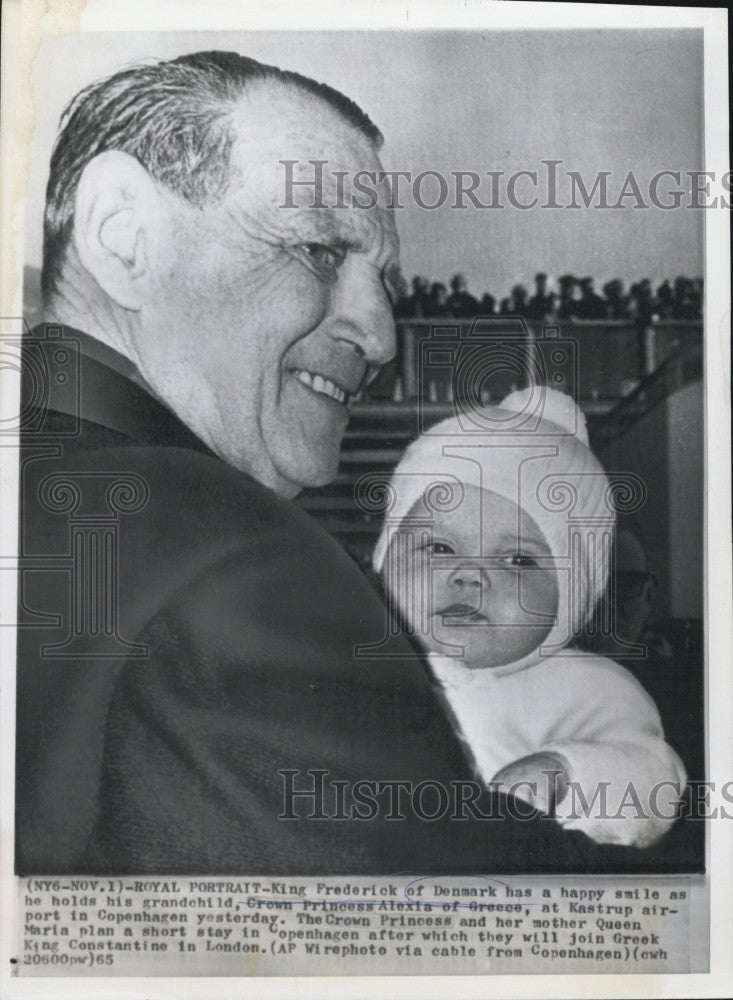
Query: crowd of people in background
x=576, y=299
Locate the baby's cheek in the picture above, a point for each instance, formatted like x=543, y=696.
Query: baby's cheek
x=538, y=592
x=510, y=601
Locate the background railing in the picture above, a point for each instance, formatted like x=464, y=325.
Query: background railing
x=597, y=361
x=674, y=373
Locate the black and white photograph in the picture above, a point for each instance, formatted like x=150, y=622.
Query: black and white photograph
x=367, y=457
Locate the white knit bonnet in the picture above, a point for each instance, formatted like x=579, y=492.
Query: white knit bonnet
x=532, y=449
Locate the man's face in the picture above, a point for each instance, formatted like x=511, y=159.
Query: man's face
x=264, y=320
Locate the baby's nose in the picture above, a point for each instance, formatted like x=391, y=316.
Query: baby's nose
x=470, y=579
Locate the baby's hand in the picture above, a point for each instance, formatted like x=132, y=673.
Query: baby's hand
x=541, y=780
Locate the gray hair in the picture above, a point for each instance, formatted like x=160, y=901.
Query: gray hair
x=174, y=118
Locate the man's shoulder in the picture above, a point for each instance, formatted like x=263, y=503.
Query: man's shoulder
x=175, y=511
x=209, y=498
x=191, y=476
x=193, y=485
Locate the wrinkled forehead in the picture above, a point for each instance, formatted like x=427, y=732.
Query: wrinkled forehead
x=280, y=131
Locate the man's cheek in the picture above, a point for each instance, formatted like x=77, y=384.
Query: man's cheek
x=285, y=286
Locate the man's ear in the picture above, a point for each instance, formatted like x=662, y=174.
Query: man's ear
x=116, y=206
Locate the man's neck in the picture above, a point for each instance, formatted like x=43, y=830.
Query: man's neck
x=102, y=326
x=78, y=302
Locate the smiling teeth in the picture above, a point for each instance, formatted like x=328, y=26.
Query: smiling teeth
x=320, y=384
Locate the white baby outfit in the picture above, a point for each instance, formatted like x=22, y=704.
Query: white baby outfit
x=625, y=780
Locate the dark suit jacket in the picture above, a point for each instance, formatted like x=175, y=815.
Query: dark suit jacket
x=185, y=636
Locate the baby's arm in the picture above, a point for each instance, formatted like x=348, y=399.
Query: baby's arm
x=624, y=780
x=604, y=767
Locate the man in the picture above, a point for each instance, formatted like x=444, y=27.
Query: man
x=591, y=306
x=417, y=305
x=518, y=306
x=568, y=306
x=671, y=672
x=204, y=675
x=541, y=303
x=438, y=300
x=616, y=300
x=461, y=303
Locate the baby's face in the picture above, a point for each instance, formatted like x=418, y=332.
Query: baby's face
x=480, y=579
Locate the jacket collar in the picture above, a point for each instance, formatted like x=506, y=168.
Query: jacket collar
x=112, y=393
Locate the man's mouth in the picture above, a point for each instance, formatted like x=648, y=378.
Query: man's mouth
x=322, y=385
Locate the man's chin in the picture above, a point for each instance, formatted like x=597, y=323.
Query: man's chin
x=307, y=473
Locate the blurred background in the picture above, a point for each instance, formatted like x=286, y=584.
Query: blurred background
x=606, y=100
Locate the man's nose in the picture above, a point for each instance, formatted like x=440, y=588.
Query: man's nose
x=471, y=581
x=361, y=313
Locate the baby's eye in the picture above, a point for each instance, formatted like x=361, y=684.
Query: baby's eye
x=440, y=549
x=521, y=560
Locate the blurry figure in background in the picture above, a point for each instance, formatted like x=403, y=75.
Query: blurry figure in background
x=665, y=301
x=616, y=305
x=415, y=305
x=568, y=300
x=488, y=304
x=696, y=294
x=518, y=305
x=637, y=597
x=461, y=304
x=591, y=306
x=577, y=299
x=541, y=303
x=642, y=304
x=670, y=672
x=551, y=314
x=643, y=312
x=685, y=300
x=634, y=600
x=438, y=300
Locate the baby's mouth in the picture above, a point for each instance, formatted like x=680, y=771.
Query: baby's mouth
x=463, y=612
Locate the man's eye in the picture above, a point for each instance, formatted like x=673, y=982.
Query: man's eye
x=319, y=253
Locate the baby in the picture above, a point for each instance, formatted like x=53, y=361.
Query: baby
x=494, y=554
